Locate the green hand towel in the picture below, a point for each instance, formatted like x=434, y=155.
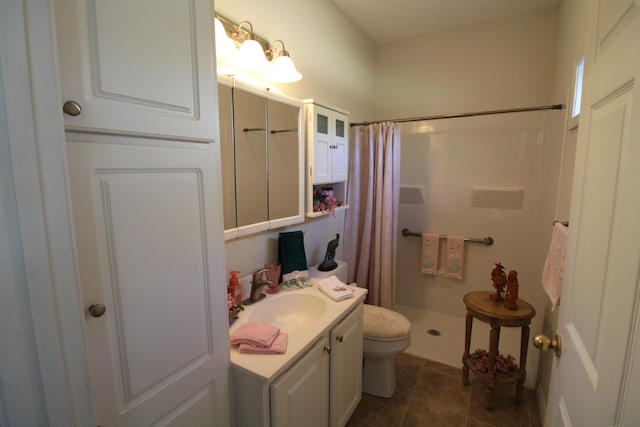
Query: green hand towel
x=291, y=255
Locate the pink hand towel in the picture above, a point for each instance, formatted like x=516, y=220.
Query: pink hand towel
x=553, y=272
x=256, y=334
x=430, y=251
x=279, y=346
x=455, y=256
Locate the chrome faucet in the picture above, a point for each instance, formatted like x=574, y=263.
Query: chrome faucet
x=257, y=283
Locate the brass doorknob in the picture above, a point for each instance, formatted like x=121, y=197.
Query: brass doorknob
x=544, y=343
x=97, y=310
x=72, y=108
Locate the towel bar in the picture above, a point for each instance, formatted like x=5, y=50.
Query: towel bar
x=486, y=241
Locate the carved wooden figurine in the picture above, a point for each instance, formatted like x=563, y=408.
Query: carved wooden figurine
x=499, y=279
x=512, y=291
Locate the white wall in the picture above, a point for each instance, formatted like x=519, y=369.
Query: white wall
x=498, y=64
x=337, y=62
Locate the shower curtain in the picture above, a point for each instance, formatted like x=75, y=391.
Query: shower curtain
x=372, y=218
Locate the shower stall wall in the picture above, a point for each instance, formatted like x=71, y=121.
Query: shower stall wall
x=493, y=175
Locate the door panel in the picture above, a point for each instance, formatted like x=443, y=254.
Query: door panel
x=593, y=380
x=138, y=67
x=149, y=249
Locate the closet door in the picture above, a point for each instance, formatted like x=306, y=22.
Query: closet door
x=137, y=67
x=150, y=261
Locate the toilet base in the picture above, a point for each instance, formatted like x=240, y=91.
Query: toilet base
x=379, y=377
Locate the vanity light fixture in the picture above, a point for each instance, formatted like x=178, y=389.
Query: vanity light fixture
x=225, y=48
x=256, y=55
x=283, y=69
x=251, y=54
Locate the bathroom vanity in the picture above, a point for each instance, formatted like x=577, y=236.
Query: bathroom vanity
x=318, y=381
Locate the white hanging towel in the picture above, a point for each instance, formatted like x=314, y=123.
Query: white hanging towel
x=455, y=256
x=553, y=272
x=430, y=251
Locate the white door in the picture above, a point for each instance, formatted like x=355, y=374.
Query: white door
x=596, y=381
x=148, y=231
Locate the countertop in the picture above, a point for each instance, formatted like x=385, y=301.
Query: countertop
x=269, y=366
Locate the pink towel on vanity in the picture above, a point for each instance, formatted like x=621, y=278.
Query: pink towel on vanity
x=279, y=346
x=455, y=256
x=553, y=272
x=430, y=251
x=256, y=334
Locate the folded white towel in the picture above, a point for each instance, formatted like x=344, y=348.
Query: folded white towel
x=553, y=272
x=335, y=289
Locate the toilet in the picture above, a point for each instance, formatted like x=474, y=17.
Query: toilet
x=386, y=333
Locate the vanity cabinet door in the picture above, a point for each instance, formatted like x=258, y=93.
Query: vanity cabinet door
x=346, y=367
x=300, y=397
x=137, y=67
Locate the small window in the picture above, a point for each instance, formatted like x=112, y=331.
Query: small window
x=577, y=94
x=322, y=124
x=340, y=128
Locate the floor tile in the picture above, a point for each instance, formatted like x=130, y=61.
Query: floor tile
x=432, y=394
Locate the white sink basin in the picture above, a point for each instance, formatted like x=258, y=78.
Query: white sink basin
x=289, y=312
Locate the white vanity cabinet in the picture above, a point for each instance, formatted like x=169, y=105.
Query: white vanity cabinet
x=327, y=143
x=319, y=387
x=137, y=68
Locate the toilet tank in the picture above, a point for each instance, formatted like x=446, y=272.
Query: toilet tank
x=340, y=271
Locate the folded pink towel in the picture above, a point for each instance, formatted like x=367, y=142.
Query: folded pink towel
x=553, y=272
x=279, y=346
x=455, y=256
x=256, y=334
x=430, y=252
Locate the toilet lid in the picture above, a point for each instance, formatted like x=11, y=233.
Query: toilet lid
x=385, y=324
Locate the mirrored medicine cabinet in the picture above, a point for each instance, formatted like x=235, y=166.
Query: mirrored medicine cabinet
x=262, y=158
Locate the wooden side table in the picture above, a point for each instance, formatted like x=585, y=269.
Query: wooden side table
x=482, y=307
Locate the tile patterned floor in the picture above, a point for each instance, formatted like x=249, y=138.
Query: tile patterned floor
x=432, y=394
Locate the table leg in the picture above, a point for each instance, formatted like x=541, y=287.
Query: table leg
x=490, y=380
x=524, y=344
x=467, y=345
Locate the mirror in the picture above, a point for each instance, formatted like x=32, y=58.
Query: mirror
x=262, y=159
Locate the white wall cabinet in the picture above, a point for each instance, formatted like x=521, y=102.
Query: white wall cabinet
x=137, y=68
x=327, y=140
x=327, y=143
x=321, y=388
x=262, y=158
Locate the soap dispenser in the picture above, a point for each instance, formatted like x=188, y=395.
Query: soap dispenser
x=234, y=287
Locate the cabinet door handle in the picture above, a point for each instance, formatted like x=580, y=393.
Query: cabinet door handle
x=339, y=338
x=327, y=348
x=72, y=108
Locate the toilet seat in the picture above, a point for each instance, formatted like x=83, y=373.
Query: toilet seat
x=381, y=324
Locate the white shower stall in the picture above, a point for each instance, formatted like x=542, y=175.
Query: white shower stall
x=481, y=176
